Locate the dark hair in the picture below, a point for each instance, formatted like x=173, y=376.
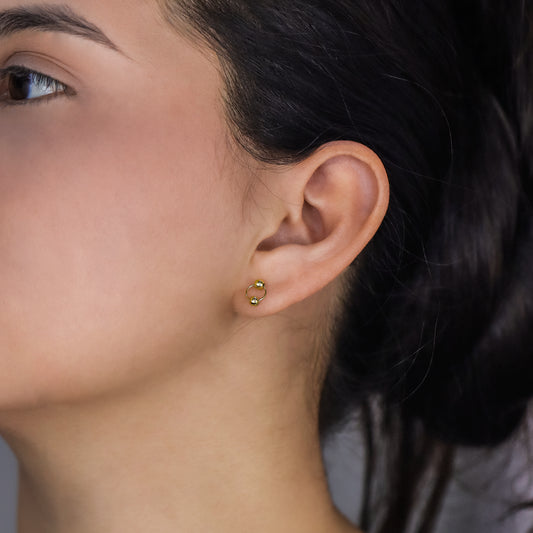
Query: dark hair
x=437, y=328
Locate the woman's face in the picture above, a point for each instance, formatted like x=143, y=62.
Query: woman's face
x=119, y=202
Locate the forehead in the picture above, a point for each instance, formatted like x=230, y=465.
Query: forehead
x=127, y=11
x=138, y=27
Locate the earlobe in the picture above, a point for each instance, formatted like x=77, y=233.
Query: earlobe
x=332, y=205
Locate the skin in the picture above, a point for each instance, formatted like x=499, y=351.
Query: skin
x=139, y=389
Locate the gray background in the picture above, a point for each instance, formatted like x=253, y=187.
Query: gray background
x=477, y=497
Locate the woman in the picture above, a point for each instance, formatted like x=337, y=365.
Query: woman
x=227, y=224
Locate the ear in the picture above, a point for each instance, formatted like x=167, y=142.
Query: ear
x=324, y=211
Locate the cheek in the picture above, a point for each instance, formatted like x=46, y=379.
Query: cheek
x=110, y=236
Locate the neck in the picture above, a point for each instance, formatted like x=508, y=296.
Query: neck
x=174, y=457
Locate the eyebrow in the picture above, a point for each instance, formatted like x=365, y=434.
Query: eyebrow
x=51, y=18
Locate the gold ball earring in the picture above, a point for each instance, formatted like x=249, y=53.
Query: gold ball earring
x=258, y=284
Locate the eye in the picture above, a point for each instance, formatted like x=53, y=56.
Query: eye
x=20, y=85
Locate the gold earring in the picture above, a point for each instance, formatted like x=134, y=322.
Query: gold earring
x=259, y=284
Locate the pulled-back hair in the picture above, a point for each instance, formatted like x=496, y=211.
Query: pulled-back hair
x=437, y=328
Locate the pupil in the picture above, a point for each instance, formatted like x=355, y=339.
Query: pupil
x=19, y=86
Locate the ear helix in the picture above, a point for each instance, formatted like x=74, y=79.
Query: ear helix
x=258, y=284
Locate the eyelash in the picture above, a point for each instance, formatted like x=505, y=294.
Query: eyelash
x=59, y=88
